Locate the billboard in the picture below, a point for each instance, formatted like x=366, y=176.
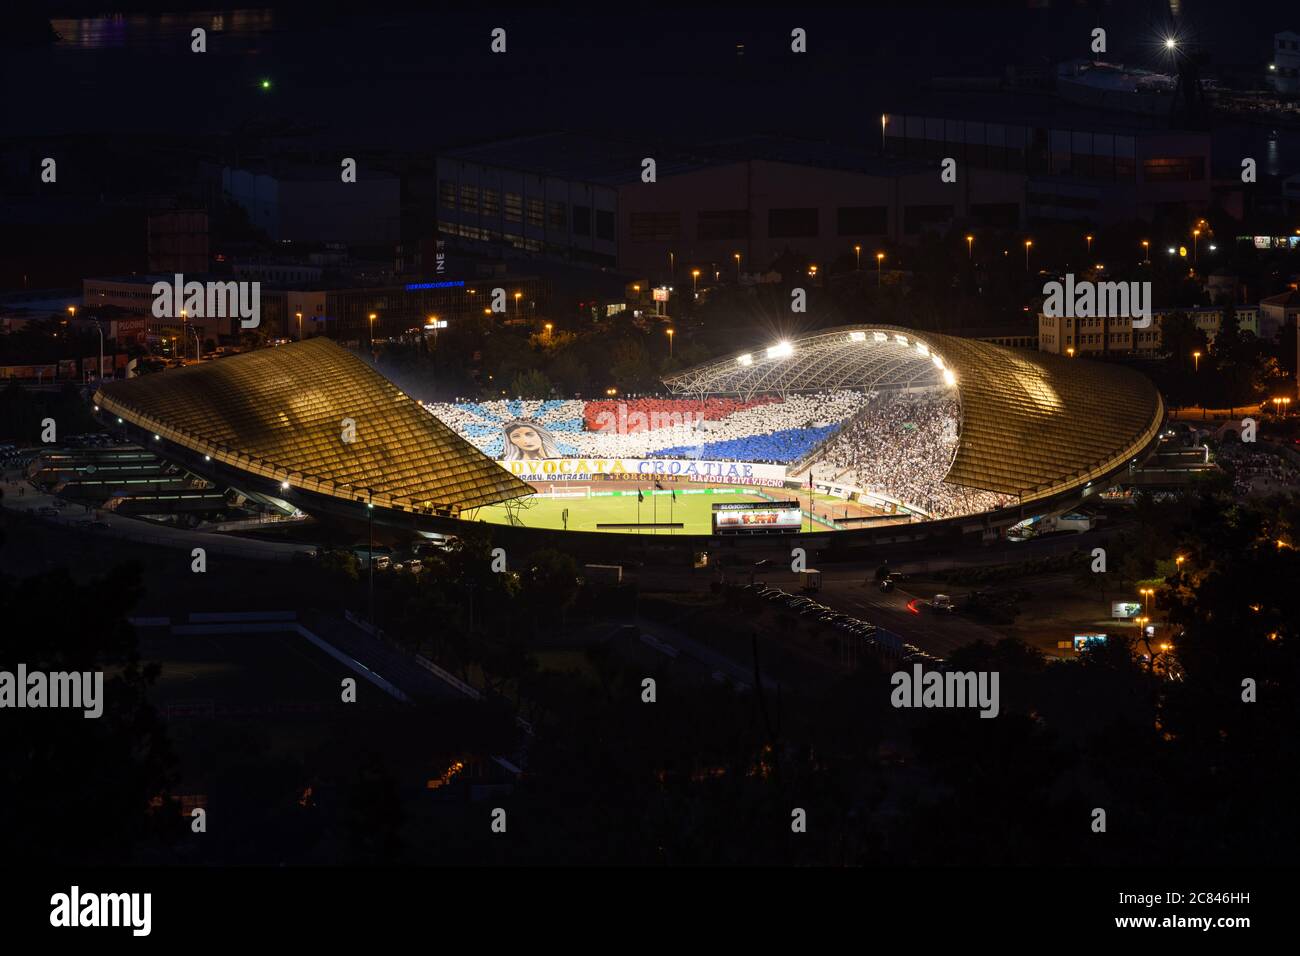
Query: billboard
x=1124, y=610
x=756, y=517
x=645, y=469
x=1082, y=641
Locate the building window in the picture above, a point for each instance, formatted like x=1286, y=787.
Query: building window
x=918, y=218
x=514, y=207
x=582, y=220
x=1182, y=169
x=862, y=220
x=605, y=224
x=655, y=226
x=722, y=224
x=491, y=203
x=791, y=223
x=536, y=213
x=469, y=197
x=557, y=216
x=447, y=194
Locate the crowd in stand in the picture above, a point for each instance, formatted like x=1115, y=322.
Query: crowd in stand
x=898, y=444
x=902, y=445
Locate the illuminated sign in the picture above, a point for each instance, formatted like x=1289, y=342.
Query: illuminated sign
x=661, y=295
x=1123, y=610
x=1082, y=641
x=450, y=284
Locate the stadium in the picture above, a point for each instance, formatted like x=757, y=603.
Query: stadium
x=860, y=431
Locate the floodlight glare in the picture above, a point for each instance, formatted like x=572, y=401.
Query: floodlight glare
x=857, y=336
x=745, y=359
x=780, y=350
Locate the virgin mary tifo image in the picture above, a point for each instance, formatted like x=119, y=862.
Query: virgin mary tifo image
x=528, y=440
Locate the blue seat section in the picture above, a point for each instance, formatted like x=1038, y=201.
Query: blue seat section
x=785, y=446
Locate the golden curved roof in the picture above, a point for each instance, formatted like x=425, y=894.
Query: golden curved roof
x=279, y=413
x=1032, y=424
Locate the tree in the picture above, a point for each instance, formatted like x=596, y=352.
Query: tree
x=532, y=383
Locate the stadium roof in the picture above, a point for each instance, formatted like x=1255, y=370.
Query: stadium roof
x=279, y=413
x=1032, y=424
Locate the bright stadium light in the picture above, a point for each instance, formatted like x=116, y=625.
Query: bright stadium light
x=857, y=336
x=948, y=377
x=284, y=486
x=938, y=362
x=780, y=350
x=745, y=359
x=900, y=339
x=921, y=347
x=880, y=336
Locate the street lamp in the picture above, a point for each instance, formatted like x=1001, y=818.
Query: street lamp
x=1146, y=597
x=970, y=247
x=1069, y=350
x=1146, y=251
x=372, y=331
x=1196, y=244
x=736, y=256
x=1196, y=361
x=1028, y=244
x=1178, y=561
x=548, y=330
x=880, y=257
x=1089, y=239
x=299, y=314
x=670, y=343
x=857, y=252
x=695, y=280
x=518, y=296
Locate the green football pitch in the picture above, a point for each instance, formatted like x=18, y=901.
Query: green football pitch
x=693, y=511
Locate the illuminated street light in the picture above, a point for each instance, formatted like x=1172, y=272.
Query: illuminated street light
x=695, y=281
x=1028, y=245
x=880, y=257
x=970, y=247
x=518, y=296
x=670, y=343
x=1196, y=361
x=736, y=256
x=299, y=314
x=1070, y=351
x=1089, y=240
x=1146, y=251
x=857, y=252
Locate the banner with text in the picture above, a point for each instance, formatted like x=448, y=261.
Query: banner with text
x=645, y=469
